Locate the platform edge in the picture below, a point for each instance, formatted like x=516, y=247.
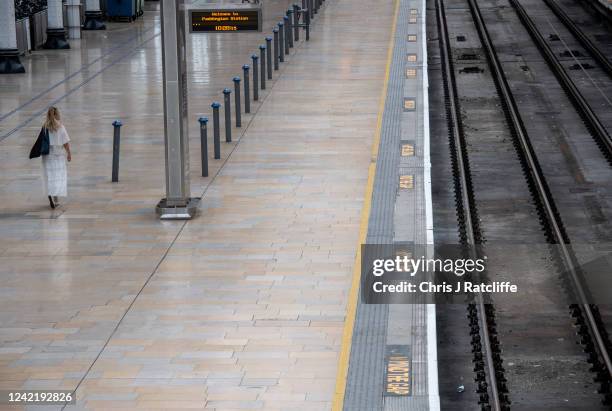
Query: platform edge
x=432, y=337
x=351, y=309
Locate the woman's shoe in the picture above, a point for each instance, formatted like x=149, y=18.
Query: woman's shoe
x=51, y=203
x=56, y=201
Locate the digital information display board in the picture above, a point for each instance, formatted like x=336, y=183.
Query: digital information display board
x=206, y=21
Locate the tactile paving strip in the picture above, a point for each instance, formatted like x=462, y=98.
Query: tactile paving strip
x=398, y=216
x=365, y=382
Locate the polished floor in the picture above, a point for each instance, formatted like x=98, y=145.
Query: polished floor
x=240, y=308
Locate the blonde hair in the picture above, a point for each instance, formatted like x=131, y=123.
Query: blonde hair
x=53, y=120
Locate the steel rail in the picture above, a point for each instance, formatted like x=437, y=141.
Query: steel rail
x=456, y=130
x=600, y=9
x=582, y=38
x=580, y=103
x=541, y=189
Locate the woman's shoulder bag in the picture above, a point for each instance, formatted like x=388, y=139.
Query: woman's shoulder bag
x=41, y=146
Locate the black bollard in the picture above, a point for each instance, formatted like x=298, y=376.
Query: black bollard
x=204, y=145
x=237, y=102
x=216, y=135
x=281, y=42
x=307, y=24
x=289, y=24
x=275, y=31
x=262, y=59
x=116, y=142
x=296, y=22
x=228, y=115
x=255, y=78
x=287, y=31
x=247, y=92
x=269, y=57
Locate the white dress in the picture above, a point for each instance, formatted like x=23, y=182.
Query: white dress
x=55, y=174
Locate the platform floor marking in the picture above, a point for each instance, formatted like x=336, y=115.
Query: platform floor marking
x=351, y=309
x=398, y=371
x=409, y=104
x=56, y=100
x=406, y=182
x=85, y=66
x=407, y=150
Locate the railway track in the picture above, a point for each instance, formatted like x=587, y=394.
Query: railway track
x=589, y=116
x=599, y=8
x=582, y=38
x=487, y=359
x=488, y=363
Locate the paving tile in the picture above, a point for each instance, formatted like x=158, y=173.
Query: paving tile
x=249, y=300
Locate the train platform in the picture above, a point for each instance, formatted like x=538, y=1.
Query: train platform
x=255, y=303
x=392, y=363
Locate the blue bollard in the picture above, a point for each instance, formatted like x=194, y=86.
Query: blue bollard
x=275, y=31
x=281, y=42
x=116, y=145
x=204, y=145
x=237, y=102
x=287, y=31
x=289, y=25
x=216, y=135
x=255, y=78
x=262, y=59
x=247, y=91
x=269, y=56
x=228, y=115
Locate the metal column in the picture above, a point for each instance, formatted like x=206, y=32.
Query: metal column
x=177, y=204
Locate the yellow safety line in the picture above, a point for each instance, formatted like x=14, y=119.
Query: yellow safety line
x=351, y=308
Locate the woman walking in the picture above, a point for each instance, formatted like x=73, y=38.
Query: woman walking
x=55, y=174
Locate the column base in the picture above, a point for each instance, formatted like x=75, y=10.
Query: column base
x=93, y=21
x=9, y=62
x=184, y=211
x=56, y=39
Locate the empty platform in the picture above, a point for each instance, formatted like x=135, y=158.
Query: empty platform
x=242, y=307
x=389, y=353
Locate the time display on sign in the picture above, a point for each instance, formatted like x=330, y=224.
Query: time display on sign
x=224, y=20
